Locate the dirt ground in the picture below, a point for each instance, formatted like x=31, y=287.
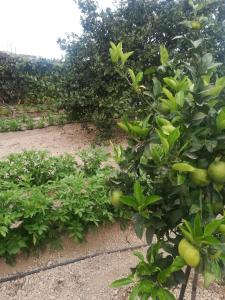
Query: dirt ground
x=56, y=139
x=88, y=279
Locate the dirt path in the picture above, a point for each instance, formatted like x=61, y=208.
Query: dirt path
x=56, y=139
x=87, y=280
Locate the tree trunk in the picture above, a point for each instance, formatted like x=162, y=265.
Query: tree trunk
x=194, y=286
x=184, y=285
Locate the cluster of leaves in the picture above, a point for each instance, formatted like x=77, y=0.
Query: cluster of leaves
x=34, y=168
x=43, y=197
x=29, y=78
x=92, y=160
x=173, y=166
x=25, y=122
x=93, y=89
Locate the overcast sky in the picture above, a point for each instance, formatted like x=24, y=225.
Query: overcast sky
x=33, y=26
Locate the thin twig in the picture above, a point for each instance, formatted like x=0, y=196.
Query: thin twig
x=184, y=285
x=194, y=286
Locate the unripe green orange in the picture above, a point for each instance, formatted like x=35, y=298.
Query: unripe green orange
x=115, y=198
x=196, y=25
x=222, y=228
x=200, y=177
x=216, y=171
x=189, y=253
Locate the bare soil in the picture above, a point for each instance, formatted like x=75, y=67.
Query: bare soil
x=55, y=139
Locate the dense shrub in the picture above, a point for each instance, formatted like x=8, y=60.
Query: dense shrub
x=28, y=78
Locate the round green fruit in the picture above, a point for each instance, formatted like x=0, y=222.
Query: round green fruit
x=222, y=228
x=196, y=25
x=163, y=108
x=189, y=253
x=216, y=171
x=115, y=198
x=200, y=177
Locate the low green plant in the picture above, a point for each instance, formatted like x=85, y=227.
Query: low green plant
x=30, y=123
x=41, y=123
x=43, y=197
x=14, y=125
x=92, y=159
x=25, y=121
x=35, y=168
x=51, y=120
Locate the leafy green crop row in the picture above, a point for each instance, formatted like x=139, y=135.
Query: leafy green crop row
x=43, y=197
x=26, y=122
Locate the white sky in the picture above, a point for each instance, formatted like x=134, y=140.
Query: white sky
x=33, y=26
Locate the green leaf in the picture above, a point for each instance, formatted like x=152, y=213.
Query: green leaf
x=210, y=240
x=183, y=167
x=146, y=286
x=114, y=55
x=132, y=75
x=134, y=293
x=120, y=49
x=138, y=193
x=139, y=77
x=122, y=282
x=171, y=82
x=168, y=94
x=125, y=56
x=197, y=226
x=179, y=97
x=150, y=200
x=199, y=116
x=164, y=142
x=157, y=88
x=139, y=229
x=212, y=227
x=187, y=235
x=139, y=255
x=129, y=201
x=196, y=43
x=113, y=46
x=208, y=278
x=176, y=265
x=213, y=91
x=123, y=126
x=164, y=55
x=173, y=137
x=3, y=231
x=164, y=294
x=149, y=235
x=162, y=121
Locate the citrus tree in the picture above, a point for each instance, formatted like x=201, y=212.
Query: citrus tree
x=172, y=173
x=93, y=89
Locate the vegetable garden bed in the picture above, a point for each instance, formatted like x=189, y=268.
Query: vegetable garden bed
x=44, y=197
